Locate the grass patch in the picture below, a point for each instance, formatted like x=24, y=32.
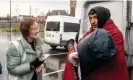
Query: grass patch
x=9, y=30
x=16, y=30
x=41, y=29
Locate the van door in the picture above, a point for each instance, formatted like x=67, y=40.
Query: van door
x=52, y=32
x=70, y=30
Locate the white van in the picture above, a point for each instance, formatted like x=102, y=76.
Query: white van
x=61, y=31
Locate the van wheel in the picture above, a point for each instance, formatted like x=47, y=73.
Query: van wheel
x=53, y=47
x=69, y=44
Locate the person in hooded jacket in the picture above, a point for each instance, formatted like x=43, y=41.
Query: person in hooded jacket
x=115, y=67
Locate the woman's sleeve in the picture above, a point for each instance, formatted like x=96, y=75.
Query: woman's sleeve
x=14, y=65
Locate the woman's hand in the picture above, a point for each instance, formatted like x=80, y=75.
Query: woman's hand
x=39, y=69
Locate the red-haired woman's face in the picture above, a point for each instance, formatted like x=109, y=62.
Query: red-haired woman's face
x=34, y=30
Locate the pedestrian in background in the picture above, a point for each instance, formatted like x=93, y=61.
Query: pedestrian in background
x=0, y=68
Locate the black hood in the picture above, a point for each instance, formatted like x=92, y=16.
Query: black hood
x=103, y=15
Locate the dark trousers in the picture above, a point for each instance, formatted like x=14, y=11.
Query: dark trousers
x=130, y=72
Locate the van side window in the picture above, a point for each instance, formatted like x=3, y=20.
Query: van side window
x=53, y=26
x=71, y=27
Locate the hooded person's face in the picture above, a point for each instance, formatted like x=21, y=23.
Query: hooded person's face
x=99, y=17
x=94, y=21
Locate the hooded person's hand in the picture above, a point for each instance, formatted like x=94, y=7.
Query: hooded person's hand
x=73, y=58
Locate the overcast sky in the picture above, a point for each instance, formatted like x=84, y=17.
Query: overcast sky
x=37, y=6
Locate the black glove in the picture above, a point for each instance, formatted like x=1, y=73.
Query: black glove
x=36, y=63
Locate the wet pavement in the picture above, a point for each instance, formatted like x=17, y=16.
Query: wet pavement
x=54, y=64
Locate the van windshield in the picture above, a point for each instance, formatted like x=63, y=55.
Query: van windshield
x=71, y=27
x=53, y=26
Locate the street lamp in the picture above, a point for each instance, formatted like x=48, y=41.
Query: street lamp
x=17, y=9
x=30, y=10
x=10, y=22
